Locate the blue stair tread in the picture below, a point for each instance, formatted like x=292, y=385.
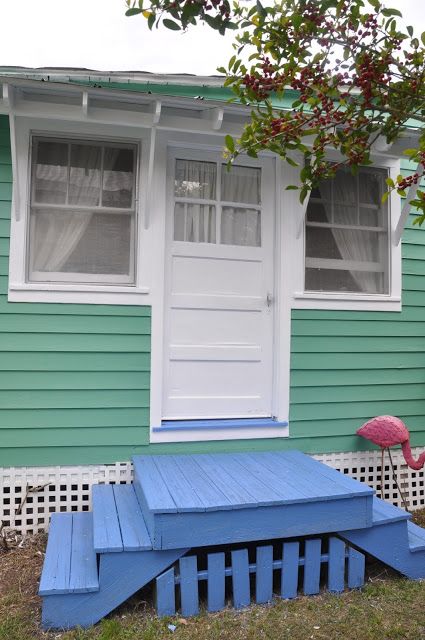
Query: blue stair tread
x=384, y=512
x=416, y=537
x=70, y=565
x=118, y=521
x=208, y=482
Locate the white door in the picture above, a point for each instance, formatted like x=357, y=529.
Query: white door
x=219, y=288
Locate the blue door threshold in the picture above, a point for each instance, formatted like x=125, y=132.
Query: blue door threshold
x=236, y=423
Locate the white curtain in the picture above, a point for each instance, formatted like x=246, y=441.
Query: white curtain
x=240, y=225
x=353, y=245
x=55, y=236
x=195, y=222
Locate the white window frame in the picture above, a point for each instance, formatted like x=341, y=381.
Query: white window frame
x=302, y=299
x=91, y=291
x=81, y=277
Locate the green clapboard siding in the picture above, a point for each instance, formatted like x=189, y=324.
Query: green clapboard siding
x=347, y=367
x=75, y=379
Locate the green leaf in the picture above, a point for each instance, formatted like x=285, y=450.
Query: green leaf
x=291, y=187
x=297, y=20
x=170, y=24
x=423, y=38
x=230, y=143
x=261, y=10
x=410, y=30
x=385, y=197
x=151, y=20
x=292, y=162
x=390, y=182
x=133, y=12
x=391, y=12
x=410, y=152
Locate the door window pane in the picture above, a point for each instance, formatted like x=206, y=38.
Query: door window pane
x=194, y=179
x=241, y=184
x=241, y=226
x=194, y=222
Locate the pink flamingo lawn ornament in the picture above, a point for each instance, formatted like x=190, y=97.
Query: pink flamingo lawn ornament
x=386, y=432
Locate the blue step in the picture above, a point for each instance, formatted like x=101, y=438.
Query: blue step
x=416, y=537
x=118, y=523
x=120, y=576
x=70, y=565
x=394, y=540
x=211, y=499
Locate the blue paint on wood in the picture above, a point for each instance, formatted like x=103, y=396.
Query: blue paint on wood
x=204, y=485
x=356, y=569
x=57, y=564
x=240, y=579
x=244, y=423
x=384, y=513
x=290, y=564
x=166, y=594
x=120, y=576
x=134, y=533
x=70, y=565
x=189, y=586
x=312, y=561
x=216, y=581
x=336, y=565
x=153, y=487
x=263, y=523
x=416, y=537
x=106, y=528
x=264, y=575
x=83, y=575
x=182, y=491
x=225, y=482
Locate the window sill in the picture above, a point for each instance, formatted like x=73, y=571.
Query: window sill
x=205, y=430
x=77, y=294
x=344, y=301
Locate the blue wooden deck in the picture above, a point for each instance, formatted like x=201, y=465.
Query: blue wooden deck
x=137, y=533
x=200, y=500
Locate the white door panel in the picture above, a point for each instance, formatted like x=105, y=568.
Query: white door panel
x=219, y=319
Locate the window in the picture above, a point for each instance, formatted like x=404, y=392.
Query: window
x=214, y=205
x=82, y=212
x=347, y=234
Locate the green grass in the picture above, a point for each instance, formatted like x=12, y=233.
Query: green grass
x=387, y=608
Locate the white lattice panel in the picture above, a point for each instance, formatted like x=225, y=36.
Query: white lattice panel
x=44, y=490
x=30, y=494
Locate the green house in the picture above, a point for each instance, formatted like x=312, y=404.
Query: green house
x=151, y=301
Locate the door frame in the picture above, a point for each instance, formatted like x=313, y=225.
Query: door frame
x=166, y=145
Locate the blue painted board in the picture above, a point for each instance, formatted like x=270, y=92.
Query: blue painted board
x=203, y=484
x=312, y=483
x=262, y=523
x=312, y=563
x=166, y=594
x=189, y=586
x=216, y=581
x=384, y=512
x=157, y=495
x=225, y=481
x=238, y=423
x=240, y=579
x=308, y=464
x=290, y=567
x=416, y=537
x=181, y=490
x=356, y=568
x=250, y=476
x=134, y=533
x=336, y=565
x=282, y=477
x=264, y=575
x=106, y=528
x=83, y=576
x=57, y=563
x=120, y=576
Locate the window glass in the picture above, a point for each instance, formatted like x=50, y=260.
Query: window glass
x=241, y=184
x=194, y=222
x=72, y=235
x=241, y=226
x=346, y=242
x=195, y=179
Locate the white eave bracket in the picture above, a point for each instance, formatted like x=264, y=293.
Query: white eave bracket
x=85, y=103
x=303, y=212
x=9, y=101
x=156, y=116
x=411, y=194
x=215, y=117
